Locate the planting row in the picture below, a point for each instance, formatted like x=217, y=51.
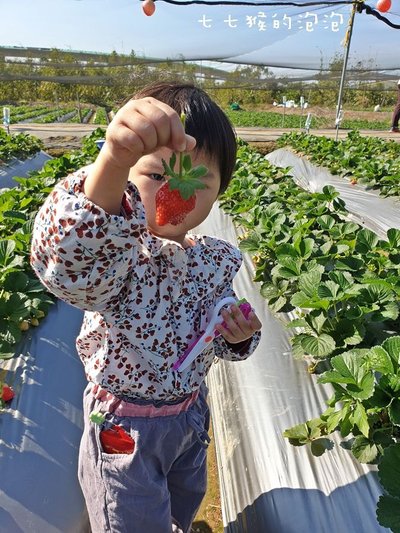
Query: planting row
x=267, y=119
x=23, y=300
x=18, y=146
x=340, y=283
x=370, y=161
x=44, y=114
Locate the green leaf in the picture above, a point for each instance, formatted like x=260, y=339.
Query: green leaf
x=187, y=162
x=16, y=282
x=355, y=335
x=269, y=290
x=289, y=267
x=394, y=382
x=348, y=364
x=326, y=221
x=360, y=419
x=7, y=248
x=251, y=243
x=332, y=376
x=366, y=241
x=394, y=411
x=277, y=303
x=302, y=301
x=333, y=420
x=319, y=446
x=328, y=290
x=349, y=369
x=6, y=350
x=15, y=215
x=379, y=360
x=392, y=346
x=364, y=450
x=198, y=172
x=304, y=247
x=304, y=433
x=286, y=250
x=349, y=263
x=297, y=323
x=344, y=279
x=388, y=513
x=18, y=306
x=297, y=433
x=389, y=470
x=393, y=236
x=317, y=321
x=318, y=346
x=309, y=281
x=172, y=161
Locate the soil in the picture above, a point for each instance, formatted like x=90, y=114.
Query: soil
x=59, y=145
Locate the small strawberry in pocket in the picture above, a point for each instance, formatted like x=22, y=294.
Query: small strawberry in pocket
x=116, y=440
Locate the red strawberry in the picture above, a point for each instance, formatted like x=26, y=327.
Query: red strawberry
x=116, y=440
x=177, y=197
x=148, y=7
x=7, y=393
x=171, y=208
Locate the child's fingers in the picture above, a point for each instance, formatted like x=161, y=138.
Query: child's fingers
x=237, y=327
x=156, y=124
x=254, y=321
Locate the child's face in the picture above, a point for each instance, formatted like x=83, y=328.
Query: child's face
x=147, y=175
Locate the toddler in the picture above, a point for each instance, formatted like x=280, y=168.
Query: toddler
x=148, y=292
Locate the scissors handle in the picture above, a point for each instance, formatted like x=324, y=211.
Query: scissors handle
x=196, y=347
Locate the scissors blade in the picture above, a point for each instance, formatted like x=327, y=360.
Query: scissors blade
x=200, y=345
x=208, y=336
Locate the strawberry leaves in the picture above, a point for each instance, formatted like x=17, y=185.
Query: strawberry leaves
x=187, y=179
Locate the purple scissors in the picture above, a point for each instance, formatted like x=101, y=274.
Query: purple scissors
x=196, y=347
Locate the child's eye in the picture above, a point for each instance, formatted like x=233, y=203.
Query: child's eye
x=157, y=177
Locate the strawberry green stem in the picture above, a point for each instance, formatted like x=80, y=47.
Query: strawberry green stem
x=183, y=121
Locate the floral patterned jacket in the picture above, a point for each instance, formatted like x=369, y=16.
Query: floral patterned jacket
x=145, y=298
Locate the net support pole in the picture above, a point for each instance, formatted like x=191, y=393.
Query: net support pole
x=347, y=41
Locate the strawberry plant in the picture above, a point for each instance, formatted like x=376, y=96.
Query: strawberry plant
x=338, y=280
x=18, y=146
x=23, y=300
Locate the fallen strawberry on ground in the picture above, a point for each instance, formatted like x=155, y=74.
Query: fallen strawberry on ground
x=7, y=394
x=177, y=196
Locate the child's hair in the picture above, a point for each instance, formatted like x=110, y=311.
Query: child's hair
x=205, y=121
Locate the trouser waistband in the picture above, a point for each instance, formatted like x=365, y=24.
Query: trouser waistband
x=112, y=404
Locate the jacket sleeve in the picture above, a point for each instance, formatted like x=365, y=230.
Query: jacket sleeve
x=80, y=253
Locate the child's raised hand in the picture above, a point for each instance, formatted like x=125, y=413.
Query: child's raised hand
x=141, y=127
x=237, y=327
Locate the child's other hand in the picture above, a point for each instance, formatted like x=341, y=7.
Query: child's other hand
x=141, y=127
x=238, y=328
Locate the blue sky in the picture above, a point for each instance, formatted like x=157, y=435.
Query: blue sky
x=249, y=34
